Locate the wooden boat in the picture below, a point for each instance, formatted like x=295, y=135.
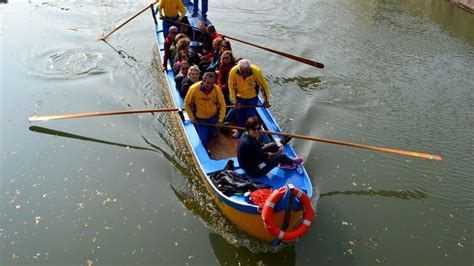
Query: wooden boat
x=237, y=207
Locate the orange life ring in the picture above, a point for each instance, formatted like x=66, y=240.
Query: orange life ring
x=268, y=210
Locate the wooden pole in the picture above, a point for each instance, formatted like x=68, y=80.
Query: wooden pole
x=79, y=115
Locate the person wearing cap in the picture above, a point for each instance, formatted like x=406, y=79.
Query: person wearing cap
x=204, y=103
x=171, y=10
x=245, y=81
x=257, y=159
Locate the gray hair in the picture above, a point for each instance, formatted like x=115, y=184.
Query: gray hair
x=243, y=63
x=193, y=68
x=173, y=28
x=209, y=75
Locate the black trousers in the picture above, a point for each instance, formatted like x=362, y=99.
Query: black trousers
x=272, y=162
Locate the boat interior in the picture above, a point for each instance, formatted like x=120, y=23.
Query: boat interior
x=222, y=146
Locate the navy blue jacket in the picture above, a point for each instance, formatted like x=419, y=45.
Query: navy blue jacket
x=250, y=153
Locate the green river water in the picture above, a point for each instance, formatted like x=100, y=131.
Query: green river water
x=120, y=190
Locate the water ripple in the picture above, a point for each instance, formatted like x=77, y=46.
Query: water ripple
x=66, y=63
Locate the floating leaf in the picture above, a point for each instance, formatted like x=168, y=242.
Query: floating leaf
x=106, y=201
x=80, y=206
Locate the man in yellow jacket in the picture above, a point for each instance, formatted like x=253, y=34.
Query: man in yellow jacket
x=204, y=103
x=171, y=10
x=245, y=82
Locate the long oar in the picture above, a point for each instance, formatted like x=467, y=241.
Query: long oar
x=137, y=111
x=294, y=57
x=128, y=20
x=375, y=148
x=78, y=115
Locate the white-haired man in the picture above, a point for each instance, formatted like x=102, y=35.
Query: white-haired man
x=245, y=82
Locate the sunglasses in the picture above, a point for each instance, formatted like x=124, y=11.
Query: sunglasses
x=257, y=128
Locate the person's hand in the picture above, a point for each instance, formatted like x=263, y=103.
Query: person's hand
x=266, y=105
x=219, y=125
x=271, y=154
x=194, y=121
x=164, y=68
x=237, y=105
x=280, y=150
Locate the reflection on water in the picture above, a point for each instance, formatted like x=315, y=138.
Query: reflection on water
x=304, y=83
x=405, y=195
x=201, y=204
x=456, y=20
x=73, y=136
x=227, y=254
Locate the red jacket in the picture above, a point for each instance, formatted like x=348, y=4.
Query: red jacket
x=168, y=43
x=223, y=76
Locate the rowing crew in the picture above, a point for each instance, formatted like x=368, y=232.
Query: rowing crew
x=204, y=103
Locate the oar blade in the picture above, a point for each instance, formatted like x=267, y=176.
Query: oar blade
x=435, y=157
x=39, y=118
x=319, y=65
